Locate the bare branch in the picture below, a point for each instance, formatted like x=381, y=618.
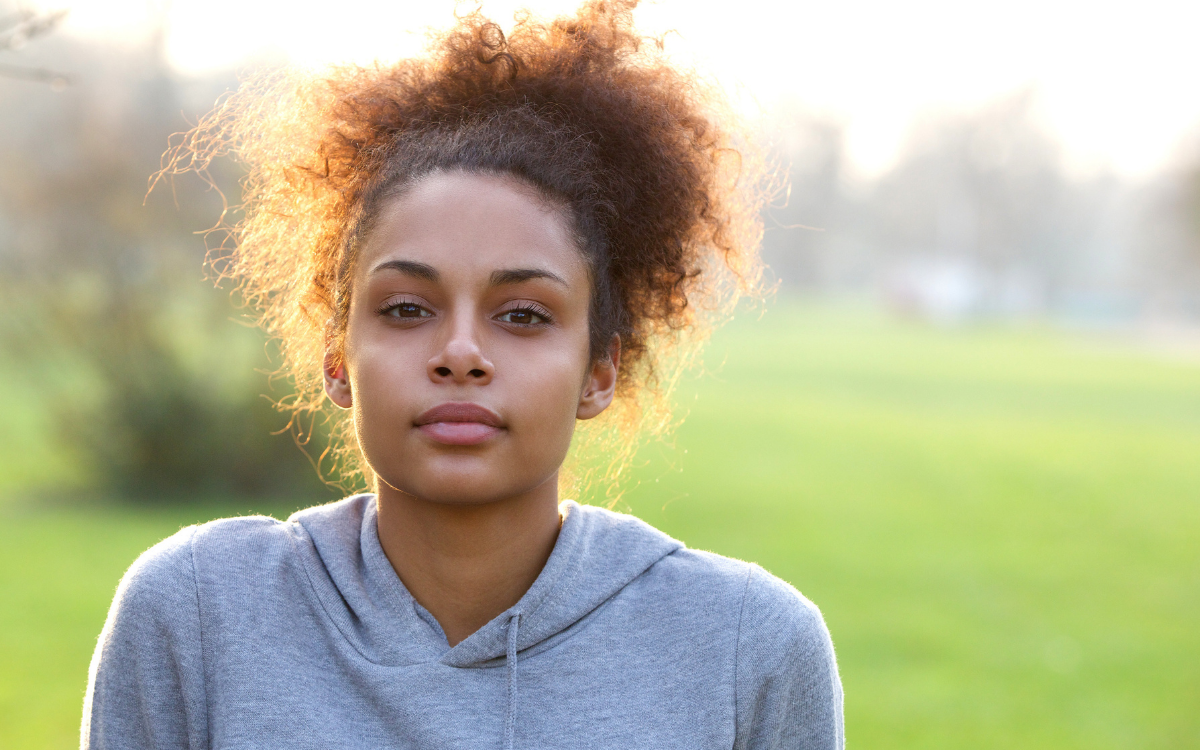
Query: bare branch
x=23, y=26
x=17, y=29
x=7, y=22
x=55, y=79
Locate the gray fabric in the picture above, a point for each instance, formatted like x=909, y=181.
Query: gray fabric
x=257, y=633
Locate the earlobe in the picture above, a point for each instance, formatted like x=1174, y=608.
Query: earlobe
x=337, y=384
x=601, y=384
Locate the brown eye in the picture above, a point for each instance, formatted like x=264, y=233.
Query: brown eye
x=523, y=317
x=407, y=310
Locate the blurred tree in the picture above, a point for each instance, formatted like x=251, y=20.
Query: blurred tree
x=989, y=189
x=980, y=201
x=156, y=387
x=797, y=238
x=1191, y=207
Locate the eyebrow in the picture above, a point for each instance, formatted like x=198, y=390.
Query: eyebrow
x=422, y=271
x=501, y=277
x=517, y=275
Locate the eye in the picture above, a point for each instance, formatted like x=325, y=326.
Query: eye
x=405, y=310
x=524, y=316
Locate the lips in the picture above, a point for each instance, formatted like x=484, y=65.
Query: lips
x=459, y=423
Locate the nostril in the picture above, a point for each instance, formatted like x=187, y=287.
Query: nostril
x=443, y=371
x=477, y=373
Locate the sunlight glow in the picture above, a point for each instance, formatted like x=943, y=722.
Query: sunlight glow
x=1115, y=80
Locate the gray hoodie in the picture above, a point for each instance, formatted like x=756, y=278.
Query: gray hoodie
x=257, y=633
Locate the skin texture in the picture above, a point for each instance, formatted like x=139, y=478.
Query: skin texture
x=469, y=290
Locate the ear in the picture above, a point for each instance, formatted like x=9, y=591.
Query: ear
x=601, y=383
x=337, y=382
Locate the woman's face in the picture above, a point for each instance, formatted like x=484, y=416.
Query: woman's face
x=466, y=349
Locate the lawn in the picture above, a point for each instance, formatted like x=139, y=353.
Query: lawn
x=1001, y=525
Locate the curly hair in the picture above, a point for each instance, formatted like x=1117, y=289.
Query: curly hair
x=662, y=192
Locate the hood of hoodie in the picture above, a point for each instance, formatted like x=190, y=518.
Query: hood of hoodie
x=598, y=552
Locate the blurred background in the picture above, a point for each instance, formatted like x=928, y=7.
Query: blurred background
x=967, y=424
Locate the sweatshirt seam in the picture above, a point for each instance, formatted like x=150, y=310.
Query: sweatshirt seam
x=737, y=651
x=316, y=592
x=200, y=637
x=302, y=543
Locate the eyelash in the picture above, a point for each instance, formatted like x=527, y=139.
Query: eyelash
x=532, y=309
x=393, y=304
x=523, y=307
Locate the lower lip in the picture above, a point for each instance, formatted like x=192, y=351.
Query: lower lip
x=459, y=433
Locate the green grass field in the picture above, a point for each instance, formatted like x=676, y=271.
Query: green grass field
x=1002, y=527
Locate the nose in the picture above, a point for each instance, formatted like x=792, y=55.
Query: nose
x=460, y=358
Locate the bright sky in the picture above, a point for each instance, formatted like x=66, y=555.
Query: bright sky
x=1117, y=79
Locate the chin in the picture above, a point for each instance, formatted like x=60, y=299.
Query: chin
x=457, y=487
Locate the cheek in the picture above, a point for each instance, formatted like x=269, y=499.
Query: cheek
x=382, y=375
x=543, y=397
x=545, y=379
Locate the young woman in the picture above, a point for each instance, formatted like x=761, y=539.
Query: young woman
x=467, y=253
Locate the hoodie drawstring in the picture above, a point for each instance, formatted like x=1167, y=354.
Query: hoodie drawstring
x=514, y=624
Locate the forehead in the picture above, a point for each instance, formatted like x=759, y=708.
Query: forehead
x=469, y=225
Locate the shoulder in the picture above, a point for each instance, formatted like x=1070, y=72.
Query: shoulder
x=772, y=614
x=788, y=692
x=161, y=576
x=166, y=572
x=149, y=654
x=244, y=541
x=225, y=547
x=254, y=544
x=762, y=610
x=776, y=619
x=775, y=622
x=700, y=570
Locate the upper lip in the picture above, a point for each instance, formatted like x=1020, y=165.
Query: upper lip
x=459, y=411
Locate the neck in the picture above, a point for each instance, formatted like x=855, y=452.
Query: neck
x=466, y=564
